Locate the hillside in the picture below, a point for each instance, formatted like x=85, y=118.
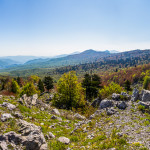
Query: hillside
x=121, y=125
x=64, y=117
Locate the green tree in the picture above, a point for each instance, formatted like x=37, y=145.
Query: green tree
x=41, y=86
x=29, y=89
x=48, y=82
x=15, y=87
x=20, y=81
x=70, y=92
x=92, y=85
x=127, y=85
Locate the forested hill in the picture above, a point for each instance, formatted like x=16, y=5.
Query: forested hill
x=4, y=63
x=85, y=59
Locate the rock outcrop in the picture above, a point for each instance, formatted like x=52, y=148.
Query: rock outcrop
x=30, y=137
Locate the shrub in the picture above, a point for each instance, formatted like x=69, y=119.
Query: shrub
x=29, y=89
x=146, y=82
x=41, y=86
x=15, y=87
x=110, y=89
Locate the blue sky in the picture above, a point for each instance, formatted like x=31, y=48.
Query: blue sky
x=52, y=27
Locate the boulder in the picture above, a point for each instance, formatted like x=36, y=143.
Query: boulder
x=29, y=101
x=31, y=138
x=64, y=140
x=106, y=103
x=116, y=97
x=96, y=102
x=80, y=117
x=135, y=95
x=121, y=105
x=34, y=138
x=55, y=112
x=5, y=117
x=145, y=95
x=9, y=106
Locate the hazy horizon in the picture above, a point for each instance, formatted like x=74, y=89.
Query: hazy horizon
x=50, y=28
x=46, y=56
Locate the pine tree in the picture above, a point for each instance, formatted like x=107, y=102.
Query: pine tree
x=41, y=86
x=48, y=82
x=127, y=85
x=92, y=84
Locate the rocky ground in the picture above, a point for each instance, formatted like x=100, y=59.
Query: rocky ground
x=31, y=123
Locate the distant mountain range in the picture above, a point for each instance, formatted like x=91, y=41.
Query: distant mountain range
x=88, y=56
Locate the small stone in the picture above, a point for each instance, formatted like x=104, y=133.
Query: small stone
x=42, y=123
x=80, y=117
x=42, y=108
x=51, y=135
x=91, y=136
